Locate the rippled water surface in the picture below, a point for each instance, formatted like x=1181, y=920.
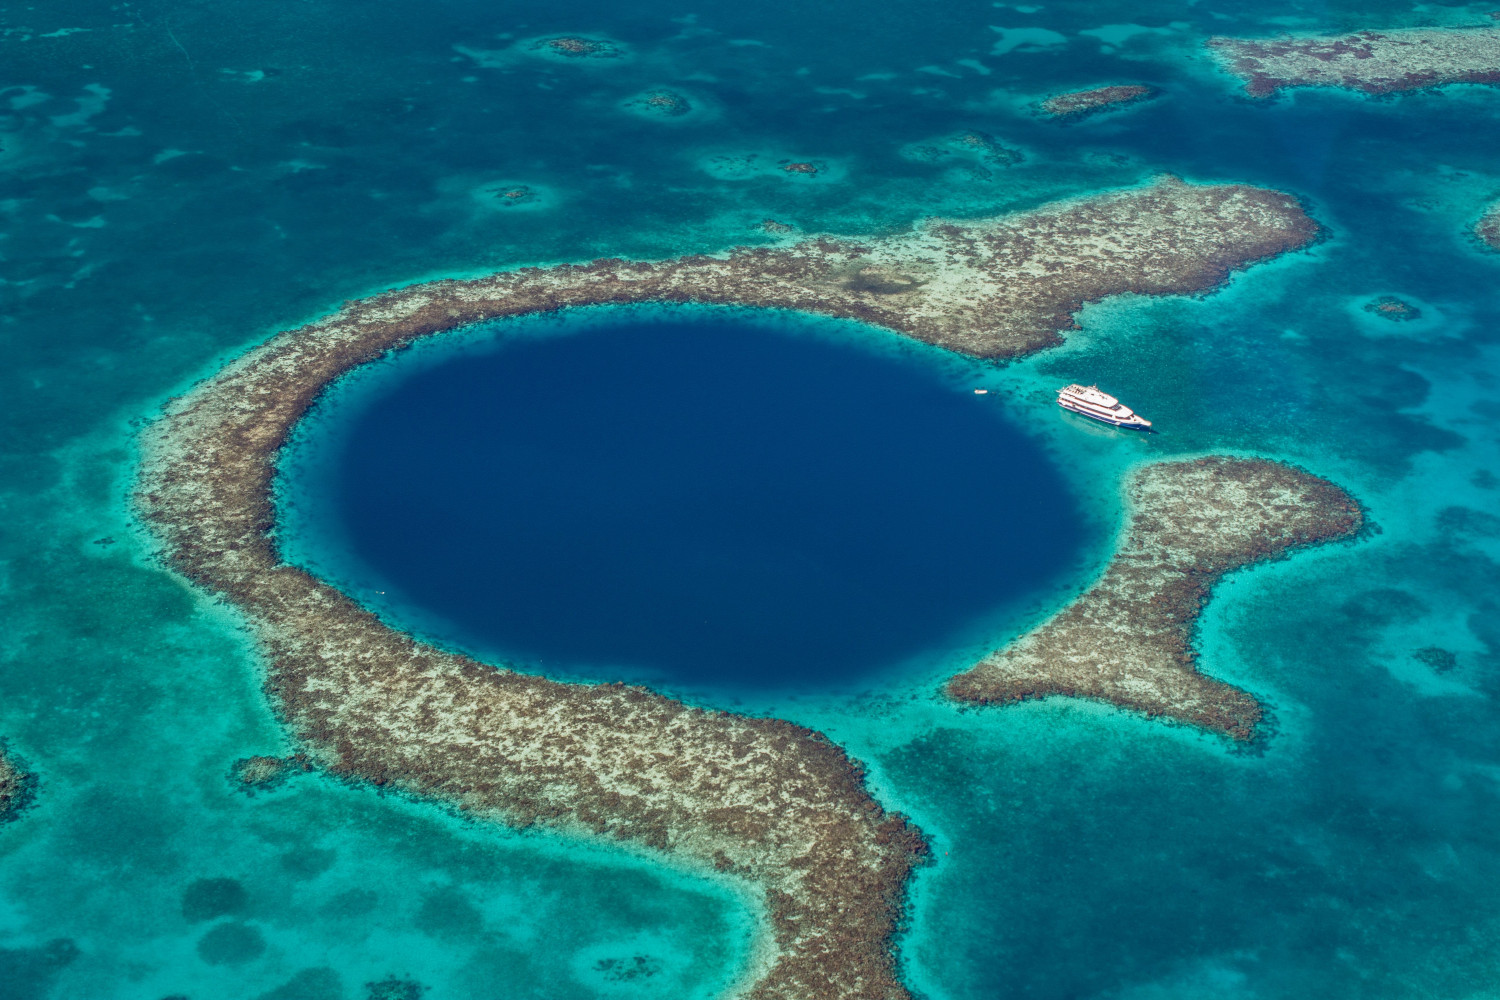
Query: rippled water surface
x=181, y=178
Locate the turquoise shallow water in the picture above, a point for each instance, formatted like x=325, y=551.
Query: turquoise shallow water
x=180, y=179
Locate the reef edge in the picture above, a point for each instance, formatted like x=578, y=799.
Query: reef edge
x=17, y=785
x=1488, y=227
x=1128, y=639
x=1373, y=62
x=1078, y=103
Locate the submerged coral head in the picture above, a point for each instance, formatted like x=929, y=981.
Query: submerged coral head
x=515, y=195
x=1391, y=308
x=667, y=103
x=1083, y=101
x=577, y=47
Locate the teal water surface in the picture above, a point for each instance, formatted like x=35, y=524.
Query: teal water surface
x=181, y=178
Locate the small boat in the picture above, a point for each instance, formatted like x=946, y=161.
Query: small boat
x=981, y=392
x=1089, y=401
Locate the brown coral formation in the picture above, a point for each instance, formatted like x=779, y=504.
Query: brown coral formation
x=519, y=195
x=1128, y=639
x=259, y=773
x=576, y=47
x=997, y=287
x=1394, y=309
x=981, y=149
x=1443, y=661
x=17, y=786
x=1082, y=102
x=1488, y=227
x=1375, y=62
x=395, y=988
x=661, y=104
x=773, y=803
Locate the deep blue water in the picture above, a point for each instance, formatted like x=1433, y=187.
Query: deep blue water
x=707, y=499
x=181, y=178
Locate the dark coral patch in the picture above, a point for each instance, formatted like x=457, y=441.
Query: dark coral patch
x=448, y=912
x=208, y=898
x=807, y=168
x=259, y=773
x=625, y=970
x=29, y=973
x=308, y=862
x=1441, y=660
x=520, y=194
x=1488, y=227
x=577, y=47
x=983, y=152
x=17, y=785
x=661, y=104
x=309, y=984
x=231, y=944
x=1391, y=308
x=395, y=988
x=1082, y=102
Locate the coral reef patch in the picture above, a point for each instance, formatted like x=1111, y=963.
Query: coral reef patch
x=511, y=196
x=983, y=152
x=395, y=988
x=1488, y=226
x=808, y=168
x=211, y=898
x=231, y=943
x=749, y=166
x=660, y=104
x=261, y=773
x=776, y=805
x=1128, y=639
x=1077, y=103
x=318, y=983
x=1443, y=661
x=17, y=785
x=571, y=47
x=1375, y=62
x=1391, y=308
x=31, y=973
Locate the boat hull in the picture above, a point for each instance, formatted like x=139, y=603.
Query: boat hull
x=1130, y=425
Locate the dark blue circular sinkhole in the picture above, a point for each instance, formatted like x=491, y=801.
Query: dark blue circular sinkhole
x=705, y=498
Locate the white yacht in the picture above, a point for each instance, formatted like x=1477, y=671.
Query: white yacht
x=1089, y=401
